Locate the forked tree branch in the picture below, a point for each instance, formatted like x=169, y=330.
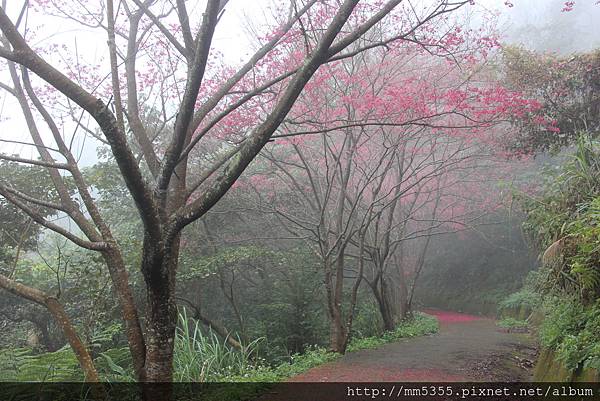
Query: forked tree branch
x=37, y=217
x=192, y=88
x=24, y=55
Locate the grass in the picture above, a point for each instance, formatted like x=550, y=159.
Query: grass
x=204, y=358
x=511, y=323
x=200, y=357
x=419, y=324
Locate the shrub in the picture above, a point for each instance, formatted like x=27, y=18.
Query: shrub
x=419, y=324
x=565, y=220
x=523, y=298
x=198, y=357
x=573, y=331
x=561, y=318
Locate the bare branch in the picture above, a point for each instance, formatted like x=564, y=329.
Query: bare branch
x=8, y=89
x=31, y=199
x=180, y=48
x=126, y=161
x=133, y=112
x=221, y=160
x=261, y=135
x=95, y=246
x=194, y=81
x=231, y=82
x=184, y=20
x=60, y=166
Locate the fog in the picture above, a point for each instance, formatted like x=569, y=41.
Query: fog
x=541, y=25
x=171, y=212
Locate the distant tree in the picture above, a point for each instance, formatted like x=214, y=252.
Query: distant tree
x=18, y=235
x=18, y=231
x=568, y=89
x=357, y=176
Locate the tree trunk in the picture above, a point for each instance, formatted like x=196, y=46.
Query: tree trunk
x=41, y=320
x=395, y=295
x=161, y=313
x=338, y=335
x=80, y=350
x=160, y=336
x=129, y=313
x=386, y=314
x=63, y=321
x=391, y=296
x=50, y=342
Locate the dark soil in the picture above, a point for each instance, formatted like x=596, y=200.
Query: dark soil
x=466, y=348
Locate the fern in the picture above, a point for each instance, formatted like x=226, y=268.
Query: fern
x=21, y=364
x=588, y=276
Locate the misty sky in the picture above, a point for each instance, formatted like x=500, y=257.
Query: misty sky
x=541, y=25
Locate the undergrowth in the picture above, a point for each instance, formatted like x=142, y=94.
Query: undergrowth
x=419, y=324
x=524, y=298
x=199, y=357
x=573, y=331
x=563, y=220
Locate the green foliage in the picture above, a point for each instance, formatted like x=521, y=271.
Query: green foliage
x=203, y=267
x=262, y=375
x=573, y=331
x=114, y=365
x=525, y=298
x=569, y=93
x=299, y=363
x=419, y=324
x=367, y=320
x=276, y=292
x=511, y=323
x=21, y=364
x=565, y=220
x=79, y=278
x=199, y=357
x=561, y=318
x=203, y=357
x=34, y=181
x=25, y=364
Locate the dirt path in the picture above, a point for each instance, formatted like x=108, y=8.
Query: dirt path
x=467, y=348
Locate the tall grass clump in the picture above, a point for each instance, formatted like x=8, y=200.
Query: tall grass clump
x=204, y=357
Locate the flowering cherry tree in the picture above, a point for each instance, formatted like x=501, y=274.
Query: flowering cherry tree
x=397, y=136
x=160, y=56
